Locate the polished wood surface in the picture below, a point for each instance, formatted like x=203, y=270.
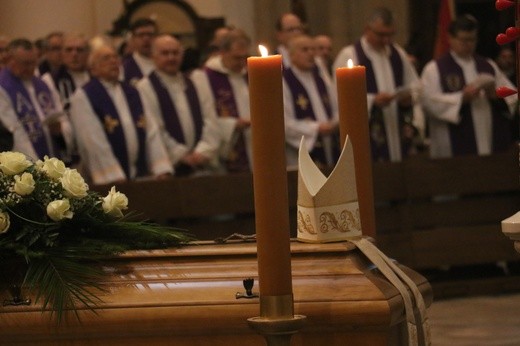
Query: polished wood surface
x=186, y=296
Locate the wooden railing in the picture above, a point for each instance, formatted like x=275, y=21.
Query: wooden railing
x=428, y=212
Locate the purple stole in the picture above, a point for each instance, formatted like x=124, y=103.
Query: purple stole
x=132, y=71
x=223, y=93
x=300, y=97
x=378, y=139
x=25, y=111
x=64, y=84
x=303, y=107
x=169, y=112
x=106, y=111
x=227, y=107
x=462, y=135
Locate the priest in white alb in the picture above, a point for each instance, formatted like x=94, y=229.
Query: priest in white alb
x=117, y=140
x=310, y=107
x=224, y=81
x=392, y=86
x=187, y=120
x=464, y=114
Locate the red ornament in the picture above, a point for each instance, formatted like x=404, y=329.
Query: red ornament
x=503, y=39
x=503, y=4
x=505, y=92
x=513, y=32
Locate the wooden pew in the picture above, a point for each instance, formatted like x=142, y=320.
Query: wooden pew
x=412, y=226
x=451, y=210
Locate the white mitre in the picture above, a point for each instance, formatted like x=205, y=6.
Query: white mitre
x=328, y=208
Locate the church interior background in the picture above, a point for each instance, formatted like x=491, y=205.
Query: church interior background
x=494, y=312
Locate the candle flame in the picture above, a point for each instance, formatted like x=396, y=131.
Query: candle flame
x=350, y=64
x=263, y=50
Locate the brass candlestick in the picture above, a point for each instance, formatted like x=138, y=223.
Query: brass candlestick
x=277, y=321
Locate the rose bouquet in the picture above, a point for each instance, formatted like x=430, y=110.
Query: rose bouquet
x=59, y=231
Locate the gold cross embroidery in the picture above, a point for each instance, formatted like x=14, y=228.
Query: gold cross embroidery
x=110, y=124
x=141, y=122
x=302, y=102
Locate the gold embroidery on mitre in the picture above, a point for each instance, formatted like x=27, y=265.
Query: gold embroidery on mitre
x=110, y=123
x=302, y=102
x=349, y=222
x=141, y=122
x=304, y=223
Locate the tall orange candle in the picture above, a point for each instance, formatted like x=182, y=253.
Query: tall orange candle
x=353, y=120
x=270, y=175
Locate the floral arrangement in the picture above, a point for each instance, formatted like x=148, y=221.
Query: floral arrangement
x=58, y=230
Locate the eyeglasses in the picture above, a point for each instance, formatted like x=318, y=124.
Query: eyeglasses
x=77, y=49
x=145, y=34
x=55, y=48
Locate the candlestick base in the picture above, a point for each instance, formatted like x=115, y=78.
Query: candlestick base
x=277, y=322
x=277, y=332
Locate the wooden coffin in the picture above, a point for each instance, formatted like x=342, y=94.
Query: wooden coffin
x=187, y=296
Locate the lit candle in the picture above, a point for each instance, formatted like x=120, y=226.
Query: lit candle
x=353, y=119
x=270, y=175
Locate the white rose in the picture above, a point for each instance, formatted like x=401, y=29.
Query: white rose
x=12, y=163
x=38, y=164
x=53, y=167
x=73, y=183
x=4, y=222
x=59, y=210
x=24, y=185
x=114, y=203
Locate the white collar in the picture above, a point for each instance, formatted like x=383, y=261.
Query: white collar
x=460, y=60
x=371, y=51
x=215, y=63
x=141, y=59
x=167, y=79
x=109, y=84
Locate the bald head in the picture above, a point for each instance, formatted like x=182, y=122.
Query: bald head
x=167, y=54
x=302, y=52
x=104, y=62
